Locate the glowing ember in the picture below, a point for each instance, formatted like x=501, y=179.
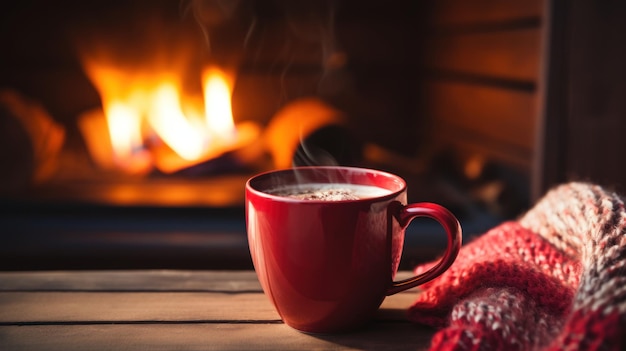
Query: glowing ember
x=150, y=124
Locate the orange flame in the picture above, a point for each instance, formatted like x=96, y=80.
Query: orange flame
x=218, y=109
x=150, y=124
x=169, y=122
x=124, y=124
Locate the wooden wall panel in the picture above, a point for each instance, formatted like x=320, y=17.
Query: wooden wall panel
x=584, y=111
x=511, y=54
x=461, y=12
x=496, y=124
x=504, y=116
x=482, y=63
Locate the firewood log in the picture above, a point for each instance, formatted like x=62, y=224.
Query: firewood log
x=30, y=142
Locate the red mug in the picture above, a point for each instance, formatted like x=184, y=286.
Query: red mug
x=327, y=265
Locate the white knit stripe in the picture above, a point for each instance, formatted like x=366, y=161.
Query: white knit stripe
x=589, y=223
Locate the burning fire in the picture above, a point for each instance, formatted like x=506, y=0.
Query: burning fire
x=146, y=122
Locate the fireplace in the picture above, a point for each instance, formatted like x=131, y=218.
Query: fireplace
x=450, y=95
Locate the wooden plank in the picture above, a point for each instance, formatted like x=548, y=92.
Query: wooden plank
x=506, y=116
x=129, y=280
x=141, y=280
x=47, y=307
x=594, y=87
x=100, y=310
x=460, y=12
x=379, y=336
x=115, y=307
x=117, y=296
x=513, y=54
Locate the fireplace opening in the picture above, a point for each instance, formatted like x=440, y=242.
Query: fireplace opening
x=129, y=129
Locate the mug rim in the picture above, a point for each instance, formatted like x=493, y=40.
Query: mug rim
x=402, y=186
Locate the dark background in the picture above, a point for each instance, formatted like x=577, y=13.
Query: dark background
x=528, y=93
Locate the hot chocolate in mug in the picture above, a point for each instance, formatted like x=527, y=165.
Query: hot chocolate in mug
x=326, y=242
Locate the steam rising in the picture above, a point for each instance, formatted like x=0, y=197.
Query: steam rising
x=211, y=15
x=304, y=132
x=233, y=27
x=311, y=155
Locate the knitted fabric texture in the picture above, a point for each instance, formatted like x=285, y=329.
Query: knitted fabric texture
x=553, y=280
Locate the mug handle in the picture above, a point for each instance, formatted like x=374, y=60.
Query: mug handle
x=404, y=215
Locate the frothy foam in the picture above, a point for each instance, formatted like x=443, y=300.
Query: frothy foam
x=329, y=192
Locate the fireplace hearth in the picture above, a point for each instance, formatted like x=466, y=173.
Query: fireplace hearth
x=451, y=95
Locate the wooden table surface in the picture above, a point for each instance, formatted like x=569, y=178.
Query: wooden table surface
x=173, y=310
